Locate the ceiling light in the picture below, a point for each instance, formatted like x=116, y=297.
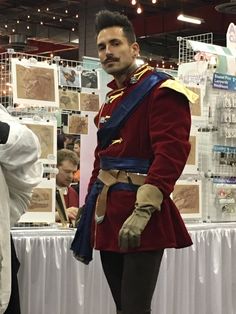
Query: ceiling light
x=133, y=2
x=154, y=1
x=139, y=10
x=190, y=19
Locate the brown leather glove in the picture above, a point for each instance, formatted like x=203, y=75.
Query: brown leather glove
x=148, y=199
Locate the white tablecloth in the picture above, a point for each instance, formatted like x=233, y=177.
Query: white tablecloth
x=196, y=280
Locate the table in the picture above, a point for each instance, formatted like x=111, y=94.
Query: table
x=200, y=279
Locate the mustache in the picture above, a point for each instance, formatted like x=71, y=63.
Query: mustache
x=110, y=60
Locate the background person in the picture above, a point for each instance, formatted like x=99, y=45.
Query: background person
x=67, y=162
x=143, y=145
x=20, y=171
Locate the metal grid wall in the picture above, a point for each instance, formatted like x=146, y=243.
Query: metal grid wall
x=186, y=53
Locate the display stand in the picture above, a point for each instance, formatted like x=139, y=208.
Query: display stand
x=51, y=95
x=214, y=118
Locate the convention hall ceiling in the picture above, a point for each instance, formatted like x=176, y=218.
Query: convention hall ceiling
x=51, y=26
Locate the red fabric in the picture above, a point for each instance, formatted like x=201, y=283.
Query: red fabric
x=157, y=130
x=71, y=198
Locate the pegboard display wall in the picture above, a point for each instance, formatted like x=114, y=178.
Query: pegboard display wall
x=186, y=53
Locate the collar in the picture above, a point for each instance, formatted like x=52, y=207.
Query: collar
x=64, y=189
x=132, y=79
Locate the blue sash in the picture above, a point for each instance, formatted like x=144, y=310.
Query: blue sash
x=81, y=244
x=110, y=128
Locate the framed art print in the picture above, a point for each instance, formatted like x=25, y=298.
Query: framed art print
x=68, y=99
x=69, y=76
x=46, y=131
x=187, y=196
x=74, y=123
x=196, y=109
x=191, y=166
x=42, y=204
x=34, y=83
x=90, y=79
x=89, y=102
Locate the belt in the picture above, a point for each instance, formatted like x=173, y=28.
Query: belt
x=109, y=178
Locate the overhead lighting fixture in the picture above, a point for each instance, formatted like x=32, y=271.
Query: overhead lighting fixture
x=189, y=19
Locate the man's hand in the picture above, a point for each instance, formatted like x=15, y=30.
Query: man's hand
x=72, y=212
x=129, y=235
x=149, y=199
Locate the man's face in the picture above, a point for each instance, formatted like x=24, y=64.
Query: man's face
x=115, y=52
x=77, y=149
x=66, y=172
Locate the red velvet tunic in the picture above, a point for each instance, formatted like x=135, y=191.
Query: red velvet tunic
x=71, y=198
x=158, y=130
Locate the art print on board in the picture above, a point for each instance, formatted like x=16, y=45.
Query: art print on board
x=74, y=124
x=89, y=79
x=42, y=204
x=69, y=76
x=46, y=133
x=188, y=198
x=41, y=200
x=69, y=100
x=196, y=108
x=89, y=102
x=78, y=124
x=192, y=161
x=34, y=83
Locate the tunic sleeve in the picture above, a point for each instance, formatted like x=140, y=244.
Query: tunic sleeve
x=169, y=128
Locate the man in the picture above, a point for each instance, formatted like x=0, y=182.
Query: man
x=143, y=145
x=20, y=171
x=76, y=149
x=67, y=162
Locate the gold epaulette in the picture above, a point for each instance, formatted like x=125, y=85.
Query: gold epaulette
x=177, y=86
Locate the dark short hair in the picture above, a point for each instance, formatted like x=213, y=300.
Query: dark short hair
x=66, y=154
x=105, y=19
x=77, y=141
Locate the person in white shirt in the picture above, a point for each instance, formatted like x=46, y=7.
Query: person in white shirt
x=20, y=172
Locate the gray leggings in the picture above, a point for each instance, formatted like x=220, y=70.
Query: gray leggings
x=132, y=279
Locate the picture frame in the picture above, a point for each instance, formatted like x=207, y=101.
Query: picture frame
x=74, y=123
x=191, y=166
x=46, y=132
x=187, y=196
x=68, y=99
x=89, y=102
x=34, y=83
x=89, y=79
x=196, y=108
x=42, y=205
x=70, y=76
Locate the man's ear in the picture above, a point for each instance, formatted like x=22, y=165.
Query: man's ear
x=135, y=49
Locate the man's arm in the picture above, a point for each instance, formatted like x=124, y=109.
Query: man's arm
x=19, y=161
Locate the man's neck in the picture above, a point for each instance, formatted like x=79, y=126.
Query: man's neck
x=120, y=79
